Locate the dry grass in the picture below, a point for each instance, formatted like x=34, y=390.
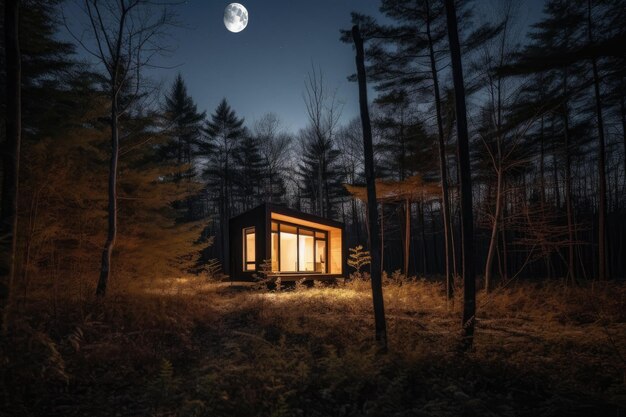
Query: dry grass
x=192, y=348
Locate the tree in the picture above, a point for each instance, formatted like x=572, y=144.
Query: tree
x=248, y=171
x=125, y=39
x=407, y=58
x=601, y=153
x=11, y=157
x=320, y=173
x=350, y=145
x=318, y=168
x=274, y=146
x=374, y=239
x=555, y=51
x=47, y=70
x=467, y=224
x=182, y=125
x=63, y=216
x=223, y=134
x=493, y=132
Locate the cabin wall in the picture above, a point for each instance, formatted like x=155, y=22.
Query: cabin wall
x=254, y=218
x=335, y=237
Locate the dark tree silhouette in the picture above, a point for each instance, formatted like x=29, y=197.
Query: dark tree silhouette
x=374, y=239
x=11, y=157
x=183, y=127
x=224, y=132
x=248, y=171
x=318, y=167
x=601, y=153
x=274, y=147
x=467, y=217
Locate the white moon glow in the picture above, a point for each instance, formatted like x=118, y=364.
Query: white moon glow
x=235, y=17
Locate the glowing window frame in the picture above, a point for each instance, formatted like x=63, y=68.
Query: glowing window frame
x=298, y=227
x=248, y=265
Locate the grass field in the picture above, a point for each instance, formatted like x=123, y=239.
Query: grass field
x=188, y=347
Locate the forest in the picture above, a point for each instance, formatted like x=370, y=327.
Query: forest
x=482, y=187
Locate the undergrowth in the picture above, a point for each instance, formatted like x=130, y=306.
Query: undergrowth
x=189, y=347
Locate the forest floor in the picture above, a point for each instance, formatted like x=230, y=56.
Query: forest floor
x=186, y=347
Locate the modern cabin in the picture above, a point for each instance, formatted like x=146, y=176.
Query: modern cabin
x=286, y=243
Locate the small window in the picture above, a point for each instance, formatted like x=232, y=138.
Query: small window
x=249, y=253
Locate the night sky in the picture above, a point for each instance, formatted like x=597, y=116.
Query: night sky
x=262, y=69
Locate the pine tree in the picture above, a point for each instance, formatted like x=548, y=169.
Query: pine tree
x=183, y=126
x=320, y=173
x=63, y=215
x=223, y=135
x=48, y=66
x=248, y=166
x=404, y=146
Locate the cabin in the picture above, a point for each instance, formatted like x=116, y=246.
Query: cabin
x=287, y=243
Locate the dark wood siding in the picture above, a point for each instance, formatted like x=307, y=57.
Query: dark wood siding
x=256, y=218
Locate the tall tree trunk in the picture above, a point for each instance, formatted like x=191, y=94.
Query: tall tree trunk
x=355, y=220
x=443, y=171
x=32, y=224
x=622, y=107
x=505, y=255
x=494, y=232
x=11, y=158
x=407, y=235
x=420, y=210
x=105, y=266
x=568, y=186
x=320, y=189
x=224, y=220
x=601, y=161
x=376, y=281
x=542, y=181
x=452, y=232
x=469, y=273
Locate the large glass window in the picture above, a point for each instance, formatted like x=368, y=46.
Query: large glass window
x=306, y=250
x=320, y=255
x=288, y=248
x=249, y=254
x=274, y=247
x=298, y=249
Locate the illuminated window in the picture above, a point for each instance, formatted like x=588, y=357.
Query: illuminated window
x=320, y=256
x=288, y=248
x=306, y=255
x=274, y=247
x=298, y=249
x=249, y=254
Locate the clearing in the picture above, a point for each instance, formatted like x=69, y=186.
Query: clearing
x=191, y=348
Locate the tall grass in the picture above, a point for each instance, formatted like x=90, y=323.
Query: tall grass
x=186, y=346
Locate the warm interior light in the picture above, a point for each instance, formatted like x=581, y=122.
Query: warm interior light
x=306, y=251
x=249, y=252
x=288, y=249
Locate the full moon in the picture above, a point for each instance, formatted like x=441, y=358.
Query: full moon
x=235, y=17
